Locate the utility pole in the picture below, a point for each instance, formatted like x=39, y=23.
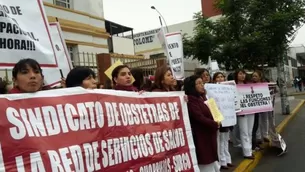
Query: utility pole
x=283, y=86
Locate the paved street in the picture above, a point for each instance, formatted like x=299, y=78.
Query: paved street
x=236, y=153
x=294, y=135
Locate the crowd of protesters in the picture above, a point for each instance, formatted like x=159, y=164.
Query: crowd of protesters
x=210, y=138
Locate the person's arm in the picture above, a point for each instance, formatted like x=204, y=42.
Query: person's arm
x=197, y=114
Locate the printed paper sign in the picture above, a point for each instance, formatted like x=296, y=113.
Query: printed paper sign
x=224, y=96
x=254, y=98
x=52, y=75
x=24, y=33
x=237, y=97
x=95, y=130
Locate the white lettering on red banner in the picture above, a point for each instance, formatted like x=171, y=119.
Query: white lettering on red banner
x=96, y=131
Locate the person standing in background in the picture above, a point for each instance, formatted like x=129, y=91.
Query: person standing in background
x=223, y=135
x=260, y=127
x=245, y=122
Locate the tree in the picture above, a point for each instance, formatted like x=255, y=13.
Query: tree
x=249, y=34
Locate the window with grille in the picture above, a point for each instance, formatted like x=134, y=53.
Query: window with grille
x=63, y=3
x=71, y=50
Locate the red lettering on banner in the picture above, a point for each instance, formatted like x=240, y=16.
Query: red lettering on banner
x=74, y=133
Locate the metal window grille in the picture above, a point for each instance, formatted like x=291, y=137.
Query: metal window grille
x=63, y=3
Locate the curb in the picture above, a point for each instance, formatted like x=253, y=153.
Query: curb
x=249, y=165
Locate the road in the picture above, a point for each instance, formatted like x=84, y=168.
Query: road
x=293, y=161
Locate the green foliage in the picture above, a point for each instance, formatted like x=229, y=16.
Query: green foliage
x=249, y=33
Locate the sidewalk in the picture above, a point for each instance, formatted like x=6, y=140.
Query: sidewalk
x=292, y=91
x=236, y=153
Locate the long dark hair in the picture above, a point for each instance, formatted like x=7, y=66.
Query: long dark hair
x=190, y=86
x=77, y=75
x=137, y=73
x=236, y=75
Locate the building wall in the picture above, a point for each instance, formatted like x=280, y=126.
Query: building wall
x=83, y=24
x=147, y=44
x=208, y=9
x=123, y=45
x=148, y=41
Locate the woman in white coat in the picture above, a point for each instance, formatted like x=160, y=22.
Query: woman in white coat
x=245, y=122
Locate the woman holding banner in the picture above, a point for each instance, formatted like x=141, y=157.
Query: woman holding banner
x=27, y=77
x=224, y=134
x=204, y=128
x=245, y=122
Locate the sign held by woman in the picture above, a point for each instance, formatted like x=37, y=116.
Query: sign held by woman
x=254, y=98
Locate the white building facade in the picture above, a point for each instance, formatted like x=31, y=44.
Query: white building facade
x=83, y=25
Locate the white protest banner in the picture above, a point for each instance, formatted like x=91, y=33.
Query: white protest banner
x=255, y=98
x=224, y=96
x=175, y=54
x=24, y=33
x=75, y=129
x=52, y=75
x=237, y=96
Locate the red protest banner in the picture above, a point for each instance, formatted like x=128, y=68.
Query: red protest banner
x=80, y=130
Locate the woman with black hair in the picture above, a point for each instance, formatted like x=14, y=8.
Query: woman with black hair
x=81, y=77
x=203, y=126
x=27, y=77
x=245, y=122
x=137, y=73
x=122, y=79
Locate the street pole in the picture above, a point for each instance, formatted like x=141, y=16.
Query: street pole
x=160, y=15
x=160, y=21
x=283, y=87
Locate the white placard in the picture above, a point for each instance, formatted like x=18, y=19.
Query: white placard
x=52, y=75
x=24, y=33
x=175, y=54
x=224, y=96
x=237, y=97
x=173, y=48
